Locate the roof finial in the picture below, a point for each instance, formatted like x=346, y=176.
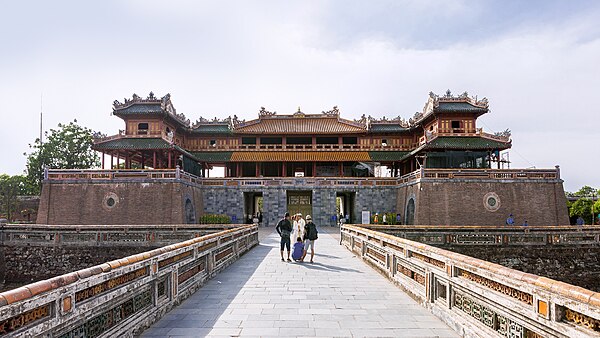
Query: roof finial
x=299, y=111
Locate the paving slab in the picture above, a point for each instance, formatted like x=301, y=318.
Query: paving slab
x=336, y=296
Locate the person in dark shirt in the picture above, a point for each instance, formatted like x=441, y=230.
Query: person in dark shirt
x=310, y=236
x=284, y=229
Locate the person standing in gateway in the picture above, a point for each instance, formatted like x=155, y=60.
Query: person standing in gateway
x=284, y=229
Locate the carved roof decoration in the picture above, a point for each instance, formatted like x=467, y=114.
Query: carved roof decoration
x=299, y=123
x=462, y=103
x=151, y=104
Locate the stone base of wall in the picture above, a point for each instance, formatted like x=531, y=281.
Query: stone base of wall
x=573, y=265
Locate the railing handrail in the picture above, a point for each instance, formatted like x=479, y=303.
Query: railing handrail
x=449, y=263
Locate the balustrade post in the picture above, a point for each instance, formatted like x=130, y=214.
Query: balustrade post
x=177, y=172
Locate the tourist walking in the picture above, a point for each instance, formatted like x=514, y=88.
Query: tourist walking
x=284, y=229
x=310, y=236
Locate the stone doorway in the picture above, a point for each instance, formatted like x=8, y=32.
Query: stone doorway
x=299, y=202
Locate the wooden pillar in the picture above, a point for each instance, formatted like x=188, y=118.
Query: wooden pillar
x=283, y=170
x=257, y=169
x=169, y=159
x=341, y=166
x=112, y=166
x=143, y=161
x=314, y=169
x=238, y=173
x=340, y=141
x=154, y=159
x=118, y=159
x=102, y=160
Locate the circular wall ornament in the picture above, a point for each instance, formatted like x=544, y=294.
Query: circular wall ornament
x=491, y=201
x=110, y=201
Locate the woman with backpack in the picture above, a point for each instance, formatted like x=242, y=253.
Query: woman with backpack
x=310, y=236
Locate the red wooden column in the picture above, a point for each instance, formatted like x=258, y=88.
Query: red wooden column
x=314, y=169
x=341, y=166
x=237, y=170
x=154, y=159
x=283, y=169
x=118, y=159
x=169, y=161
x=143, y=161
x=111, y=162
x=102, y=160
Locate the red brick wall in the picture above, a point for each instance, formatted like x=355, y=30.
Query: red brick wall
x=462, y=203
x=84, y=202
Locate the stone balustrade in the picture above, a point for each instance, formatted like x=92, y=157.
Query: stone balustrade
x=475, y=297
x=105, y=235
x=120, y=297
x=423, y=174
x=507, y=236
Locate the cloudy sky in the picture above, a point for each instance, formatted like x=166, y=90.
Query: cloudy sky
x=538, y=62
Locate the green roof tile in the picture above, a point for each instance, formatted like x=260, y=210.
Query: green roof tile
x=140, y=109
x=213, y=156
x=474, y=143
x=386, y=128
x=387, y=155
x=133, y=143
x=459, y=106
x=212, y=129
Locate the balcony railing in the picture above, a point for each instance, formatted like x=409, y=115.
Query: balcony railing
x=423, y=174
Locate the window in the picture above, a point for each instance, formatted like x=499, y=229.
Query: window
x=384, y=142
x=142, y=128
x=455, y=124
x=248, y=140
x=213, y=143
x=350, y=140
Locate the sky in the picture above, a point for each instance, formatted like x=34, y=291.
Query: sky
x=538, y=63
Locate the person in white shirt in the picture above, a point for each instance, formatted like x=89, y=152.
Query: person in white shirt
x=300, y=223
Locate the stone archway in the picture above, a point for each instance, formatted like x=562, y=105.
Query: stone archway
x=410, y=212
x=190, y=212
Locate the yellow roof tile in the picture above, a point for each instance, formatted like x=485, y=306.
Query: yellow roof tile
x=300, y=156
x=300, y=125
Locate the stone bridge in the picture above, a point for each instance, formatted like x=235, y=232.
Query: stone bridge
x=407, y=288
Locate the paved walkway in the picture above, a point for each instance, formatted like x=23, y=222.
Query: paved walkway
x=337, y=296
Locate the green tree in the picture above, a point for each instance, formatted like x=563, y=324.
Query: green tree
x=10, y=188
x=68, y=147
x=586, y=191
x=596, y=210
x=582, y=207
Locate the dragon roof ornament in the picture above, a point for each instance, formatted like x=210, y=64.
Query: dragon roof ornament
x=165, y=105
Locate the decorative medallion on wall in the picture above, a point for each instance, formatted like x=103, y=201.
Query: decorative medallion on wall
x=491, y=201
x=110, y=201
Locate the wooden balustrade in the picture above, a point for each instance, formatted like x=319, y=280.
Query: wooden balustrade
x=483, y=298
x=124, y=296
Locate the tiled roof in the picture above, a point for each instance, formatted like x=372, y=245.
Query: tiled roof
x=213, y=156
x=299, y=125
x=300, y=156
x=140, y=108
x=378, y=156
x=386, y=128
x=212, y=129
x=474, y=143
x=133, y=143
x=459, y=107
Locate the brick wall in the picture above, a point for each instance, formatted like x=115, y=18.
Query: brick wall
x=461, y=202
x=85, y=202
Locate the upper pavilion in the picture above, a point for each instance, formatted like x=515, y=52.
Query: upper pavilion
x=443, y=135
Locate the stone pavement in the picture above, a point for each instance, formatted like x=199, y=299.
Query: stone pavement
x=337, y=296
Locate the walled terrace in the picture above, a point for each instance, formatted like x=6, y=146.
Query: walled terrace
x=30, y=253
x=472, y=296
x=124, y=295
x=570, y=254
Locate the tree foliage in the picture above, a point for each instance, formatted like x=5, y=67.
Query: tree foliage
x=586, y=191
x=68, y=147
x=10, y=188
